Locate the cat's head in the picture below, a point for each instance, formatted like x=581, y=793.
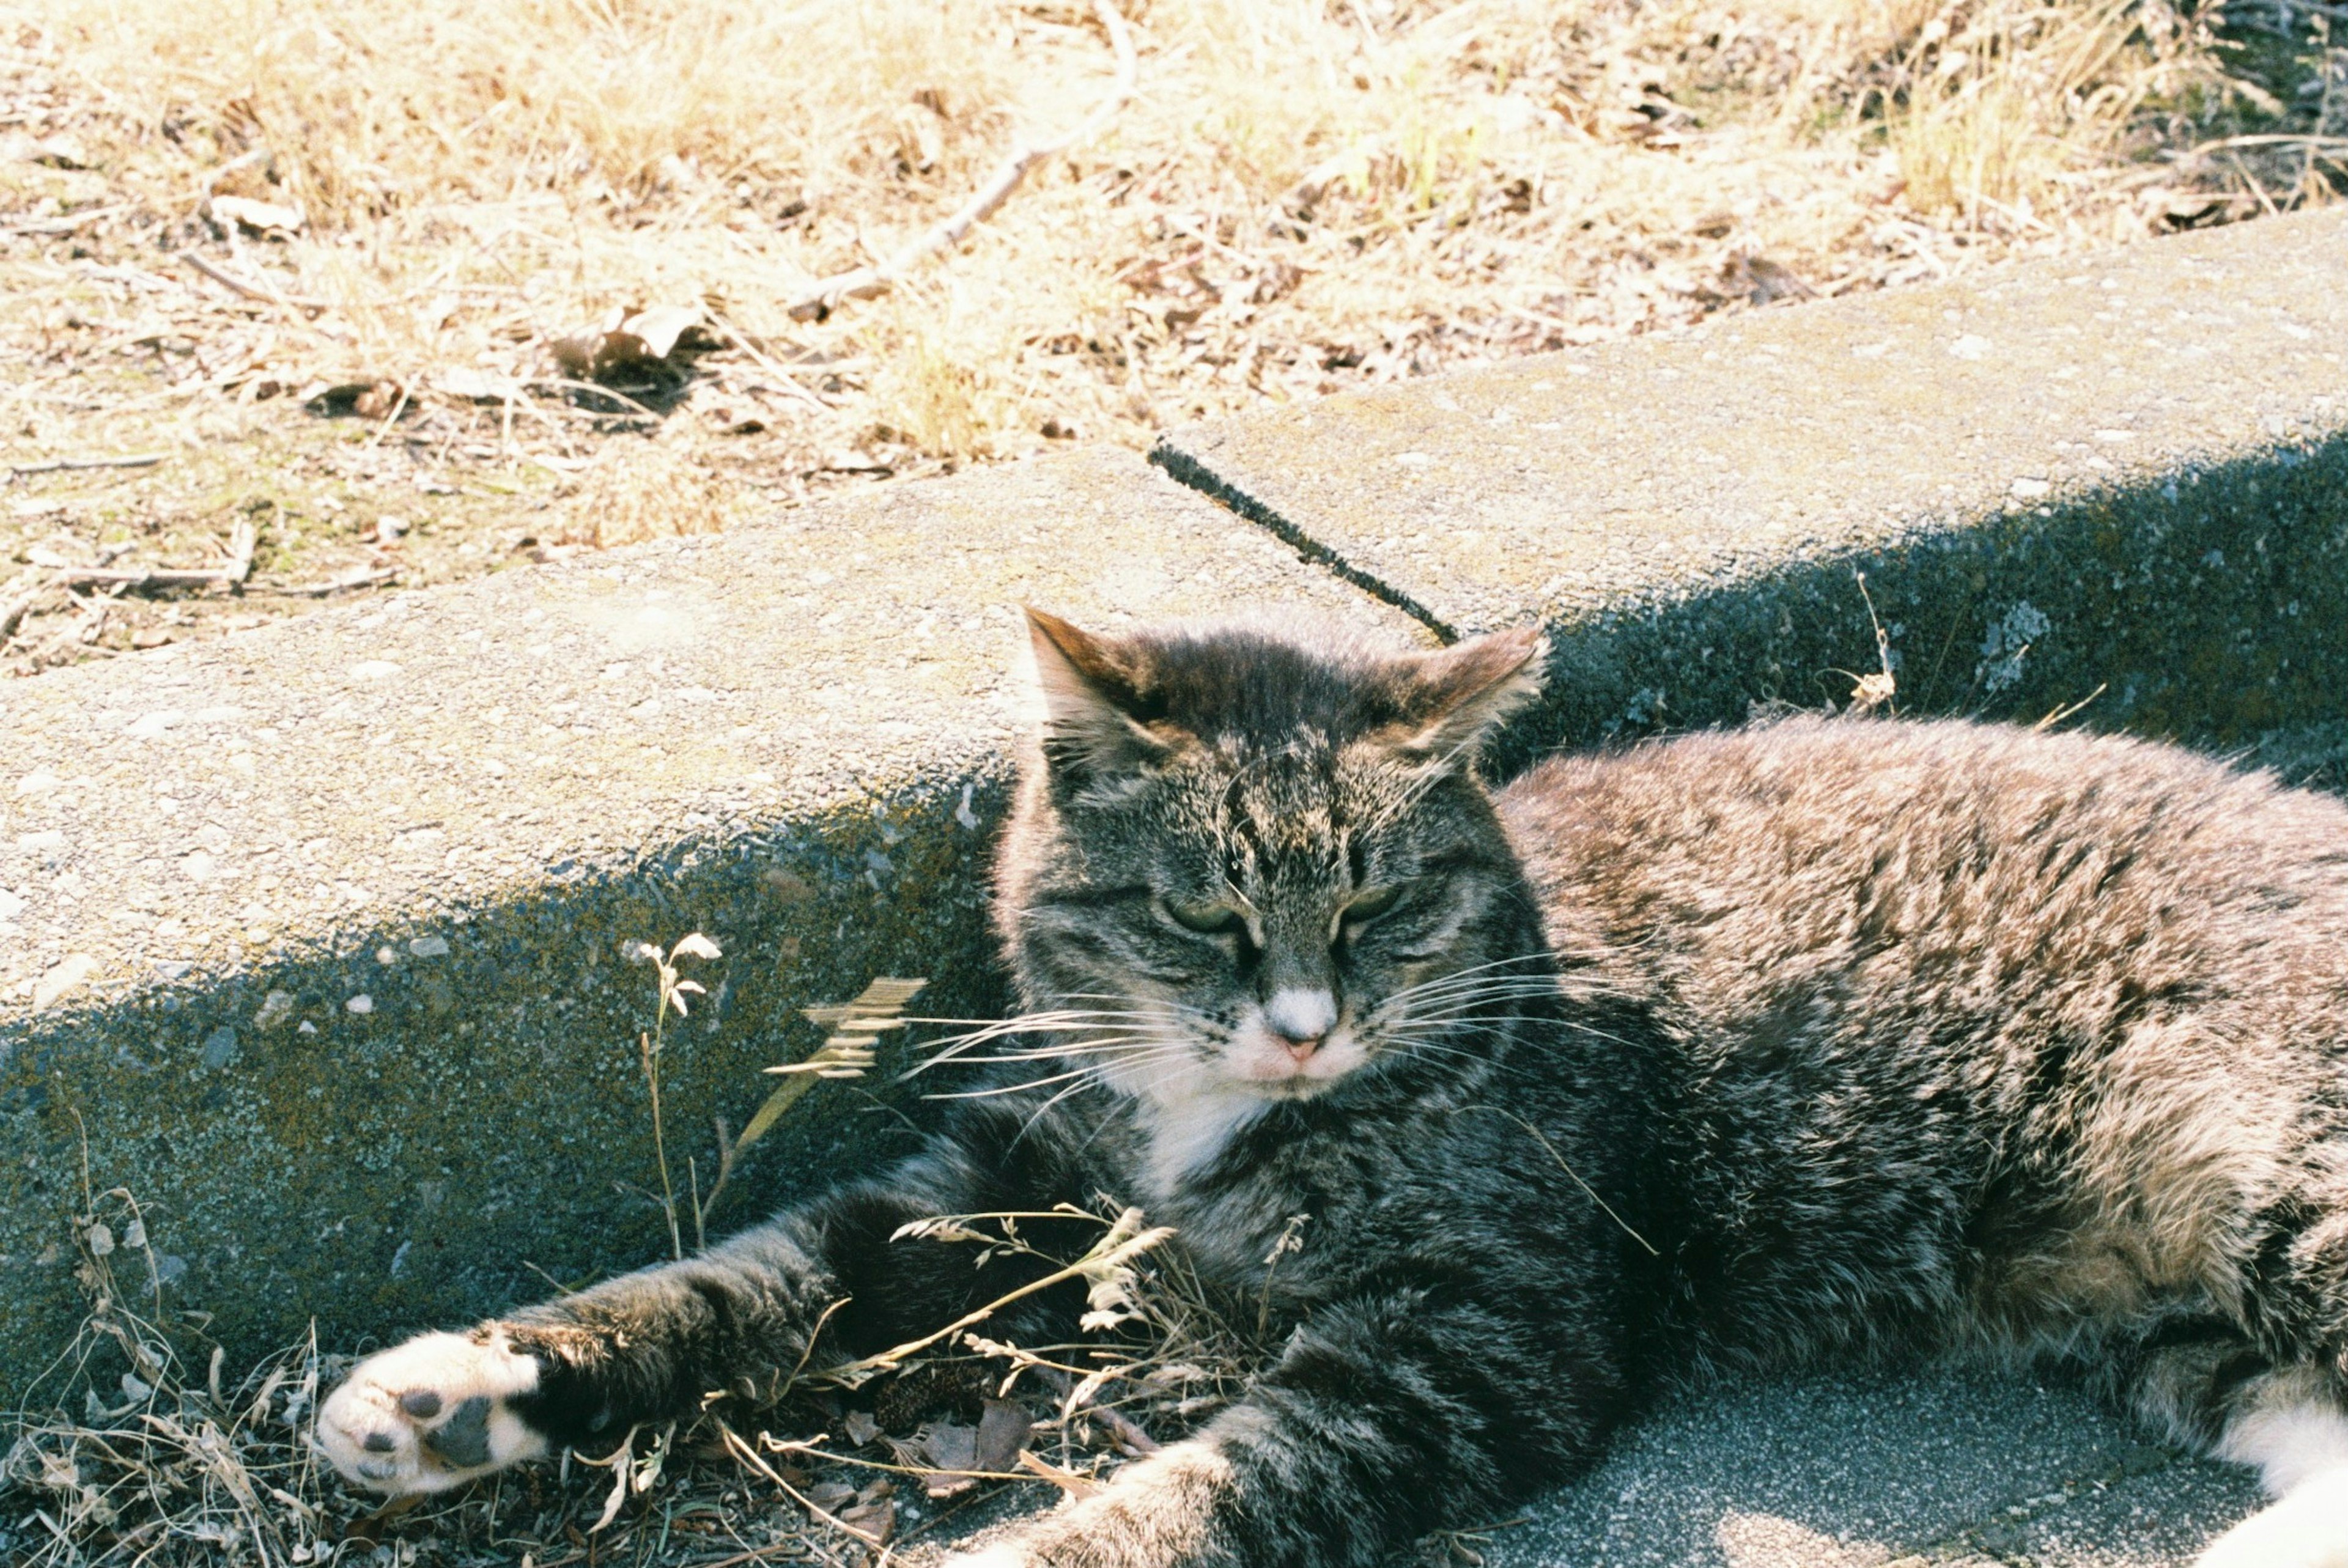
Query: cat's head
x=1244, y=866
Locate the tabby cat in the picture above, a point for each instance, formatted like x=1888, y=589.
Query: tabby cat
x=1822, y=1038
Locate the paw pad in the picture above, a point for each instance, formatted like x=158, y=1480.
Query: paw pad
x=430, y=1414
x=464, y=1437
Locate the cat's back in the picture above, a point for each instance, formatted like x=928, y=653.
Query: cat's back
x=1949, y=1003
x=1999, y=867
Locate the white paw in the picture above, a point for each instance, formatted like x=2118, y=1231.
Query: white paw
x=428, y=1415
x=2308, y=1529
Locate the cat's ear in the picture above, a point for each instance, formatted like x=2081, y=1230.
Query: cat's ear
x=1454, y=698
x=1099, y=718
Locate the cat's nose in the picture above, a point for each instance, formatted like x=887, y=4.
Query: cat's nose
x=1301, y=1017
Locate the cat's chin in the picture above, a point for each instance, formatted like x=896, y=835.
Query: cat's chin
x=1291, y=1090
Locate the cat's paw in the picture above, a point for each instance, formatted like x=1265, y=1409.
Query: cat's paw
x=2308, y=1529
x=430, y=1414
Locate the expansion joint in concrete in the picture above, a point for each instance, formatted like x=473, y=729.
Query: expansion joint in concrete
x=1185, y=469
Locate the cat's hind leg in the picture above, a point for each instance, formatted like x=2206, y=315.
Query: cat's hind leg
x=2206, y=1384
x=2292, y=1425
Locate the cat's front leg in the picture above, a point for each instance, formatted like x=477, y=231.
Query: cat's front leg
x=439, y=1409
x=1384, y=1418
x=815, y=1286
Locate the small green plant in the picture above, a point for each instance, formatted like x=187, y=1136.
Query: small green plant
x=674, y=988
x=855, y=1027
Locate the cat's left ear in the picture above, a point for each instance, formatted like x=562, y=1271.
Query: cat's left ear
x=1454, y=698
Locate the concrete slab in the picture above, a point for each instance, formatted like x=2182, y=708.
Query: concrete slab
x=309, y=937
x=2124, y=470
x=1862, y=1471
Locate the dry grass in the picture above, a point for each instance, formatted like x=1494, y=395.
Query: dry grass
x=1302, y=195
x=140, y=1463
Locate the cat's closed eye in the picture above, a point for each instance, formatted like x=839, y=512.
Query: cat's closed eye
x=1367, y=906
x=1207, y=919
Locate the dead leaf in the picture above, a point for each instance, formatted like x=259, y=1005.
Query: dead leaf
x=378, y=402
x=947, y=1449
x=622, y=339
x=1763, y=281
x=662, y=328
x=876, y=1522
x=59, y=152
x=831, y=1496
x=370, y=399
x=861, y=1428
x=259, y=217
x=1003, y=1429
x=579, y=353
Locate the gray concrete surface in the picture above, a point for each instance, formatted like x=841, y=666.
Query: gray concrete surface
x=1860, y=1471
x=2123, y=470
x=314, y=929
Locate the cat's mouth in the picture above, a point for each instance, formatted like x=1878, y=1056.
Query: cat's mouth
x=1268, y=1066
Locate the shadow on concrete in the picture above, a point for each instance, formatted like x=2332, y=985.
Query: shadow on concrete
x=482, y=1130
x=2210, y=608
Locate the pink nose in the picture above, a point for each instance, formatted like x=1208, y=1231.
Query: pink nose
x=1302, y=1048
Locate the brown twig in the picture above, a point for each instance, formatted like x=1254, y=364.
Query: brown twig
x=249, y=288
x=866, y=283
x=68, y=465
x=15, y=610
x=238, y=567
x=140, y=577
x=242, y=541
x=66, y=224
x=333, y=585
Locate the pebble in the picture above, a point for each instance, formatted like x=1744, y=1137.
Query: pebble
x=373, y=670
x=66, y=975
x=361, y=1003
x=428, y=947
x=151, y=726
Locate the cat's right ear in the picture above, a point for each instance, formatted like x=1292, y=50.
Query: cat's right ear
x=1099, y=720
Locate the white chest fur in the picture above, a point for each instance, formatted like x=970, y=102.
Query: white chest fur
x=1187, y=1133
